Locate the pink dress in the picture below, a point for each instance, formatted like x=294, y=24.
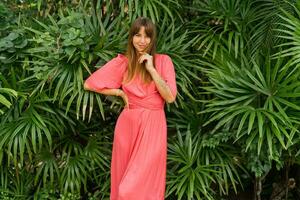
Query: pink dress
x=138, y=166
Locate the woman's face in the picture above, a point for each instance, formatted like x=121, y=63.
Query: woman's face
x=141, y=41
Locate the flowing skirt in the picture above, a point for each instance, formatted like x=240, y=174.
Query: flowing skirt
x=138, y=166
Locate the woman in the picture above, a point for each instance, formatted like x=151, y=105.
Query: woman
x=138, y=166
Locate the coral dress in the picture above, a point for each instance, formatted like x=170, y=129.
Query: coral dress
x=138, y=166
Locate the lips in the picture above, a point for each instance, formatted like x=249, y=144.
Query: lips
x=142, y=46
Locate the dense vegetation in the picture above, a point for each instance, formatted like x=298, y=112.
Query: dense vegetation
x=232, y=133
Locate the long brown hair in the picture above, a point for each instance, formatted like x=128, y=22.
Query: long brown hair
x=134, y=67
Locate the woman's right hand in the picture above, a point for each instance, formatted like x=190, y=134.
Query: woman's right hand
x=124, y=97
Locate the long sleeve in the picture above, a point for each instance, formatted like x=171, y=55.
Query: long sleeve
x=168, y=74
x=109, y=76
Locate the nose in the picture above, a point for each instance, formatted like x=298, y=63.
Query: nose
x=143, y=39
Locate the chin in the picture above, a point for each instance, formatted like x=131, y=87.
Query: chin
x=140, y=52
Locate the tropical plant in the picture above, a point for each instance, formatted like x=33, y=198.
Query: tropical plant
x=255, y=98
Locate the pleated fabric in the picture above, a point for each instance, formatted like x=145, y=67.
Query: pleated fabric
x=138, y=166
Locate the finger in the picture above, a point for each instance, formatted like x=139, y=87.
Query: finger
x=126, y=105
x=141, y=59
x=142, y=56
x=126, y=101
x=146, y=56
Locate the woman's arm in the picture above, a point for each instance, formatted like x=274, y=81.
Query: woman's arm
x=111, y=92
x=162, y=87
x=108, y=76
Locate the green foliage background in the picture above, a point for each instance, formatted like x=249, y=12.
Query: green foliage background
x=234, y=127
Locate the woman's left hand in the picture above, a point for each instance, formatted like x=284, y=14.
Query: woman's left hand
x=148, y=59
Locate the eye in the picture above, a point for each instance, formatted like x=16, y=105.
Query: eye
x=137, y=34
